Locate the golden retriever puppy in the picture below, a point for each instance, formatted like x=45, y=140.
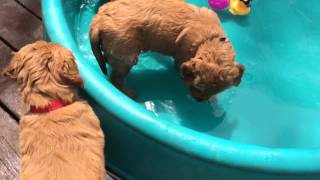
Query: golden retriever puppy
x=60, y=137
x=122, y=29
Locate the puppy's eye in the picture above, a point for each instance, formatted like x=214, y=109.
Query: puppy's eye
x=223, y=39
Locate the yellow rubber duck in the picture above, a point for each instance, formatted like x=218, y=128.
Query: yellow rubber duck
x=240, y=7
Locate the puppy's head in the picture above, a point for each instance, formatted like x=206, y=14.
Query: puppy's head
x=213, y=70
x=43, y=68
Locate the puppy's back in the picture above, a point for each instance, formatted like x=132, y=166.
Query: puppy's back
x=154, y=23
x=65, y=144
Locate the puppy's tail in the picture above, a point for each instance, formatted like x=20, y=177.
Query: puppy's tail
x=95, y=41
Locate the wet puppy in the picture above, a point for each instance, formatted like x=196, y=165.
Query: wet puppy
x=60, y=137
x=122, y=29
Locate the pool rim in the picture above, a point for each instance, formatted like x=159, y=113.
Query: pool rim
x=182, y=139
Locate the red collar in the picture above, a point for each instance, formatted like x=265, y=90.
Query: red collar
x=53, y=105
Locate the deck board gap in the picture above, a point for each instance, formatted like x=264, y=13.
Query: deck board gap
x=29, y=10
x=7, y=43
x=13, y=115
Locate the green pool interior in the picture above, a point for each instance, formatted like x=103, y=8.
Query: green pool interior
x=276, y=105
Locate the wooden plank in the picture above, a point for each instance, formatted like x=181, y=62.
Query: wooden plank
x=9, y=161
x=33, y=5
x=5, y=54
x=9, y=93
x=18, y=26
x=9, y=130
x=9, y=143
x=10, y=97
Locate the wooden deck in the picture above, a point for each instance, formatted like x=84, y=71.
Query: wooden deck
x=20, y=24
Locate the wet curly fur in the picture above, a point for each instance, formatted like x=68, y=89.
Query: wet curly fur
x=122, y=29
x=64, y=144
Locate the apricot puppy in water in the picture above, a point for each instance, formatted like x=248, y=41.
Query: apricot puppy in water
x=122, y=29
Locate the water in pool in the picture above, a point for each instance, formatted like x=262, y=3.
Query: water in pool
x=278, y=101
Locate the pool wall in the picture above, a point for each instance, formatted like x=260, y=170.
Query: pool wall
x=133, y=155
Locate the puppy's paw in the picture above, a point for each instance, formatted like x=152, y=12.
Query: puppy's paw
x=120, y=85
x=129, y=92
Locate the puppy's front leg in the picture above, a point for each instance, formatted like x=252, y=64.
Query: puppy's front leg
x=120, y=70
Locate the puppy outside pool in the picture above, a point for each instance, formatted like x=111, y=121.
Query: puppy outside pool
x=60, y=137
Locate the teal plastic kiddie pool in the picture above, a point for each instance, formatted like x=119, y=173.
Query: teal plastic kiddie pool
x=267, y=128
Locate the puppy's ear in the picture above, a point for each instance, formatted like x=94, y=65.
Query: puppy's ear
x=68, y=73
x=232, y=75
x=14, y=67
x=189, y=72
